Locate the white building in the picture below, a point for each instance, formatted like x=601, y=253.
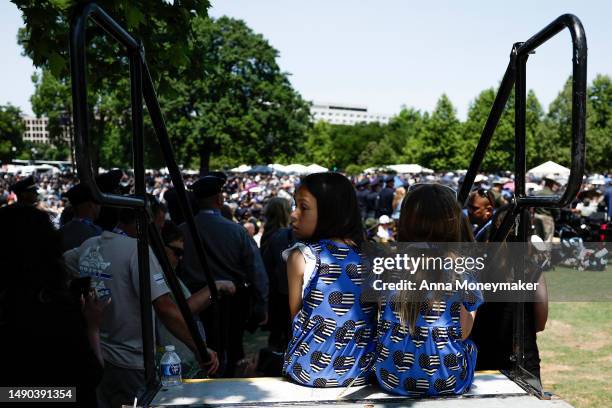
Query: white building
x=36, y=129
x=340, y=114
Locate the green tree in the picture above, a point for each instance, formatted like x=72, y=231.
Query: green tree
x=233, y=100
x=599, y=125
x=318, y=147
x=440, y=138
x=350, y=141
x=165, y=30
x=11, y=132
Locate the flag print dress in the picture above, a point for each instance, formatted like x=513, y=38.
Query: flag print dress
x=434, y=361
x=332, y=343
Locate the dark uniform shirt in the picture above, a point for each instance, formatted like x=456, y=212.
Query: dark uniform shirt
x=385, y=201
x=77, y=231
x=362, y=201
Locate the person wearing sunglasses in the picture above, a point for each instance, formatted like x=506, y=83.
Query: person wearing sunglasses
x=481, y=207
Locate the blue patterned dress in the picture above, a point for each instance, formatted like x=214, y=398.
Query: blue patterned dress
x=435, y=361
x=333, y=333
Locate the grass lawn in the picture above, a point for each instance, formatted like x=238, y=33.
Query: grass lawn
x=576, y=347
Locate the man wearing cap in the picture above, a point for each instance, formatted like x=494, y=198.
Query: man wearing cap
x=362, y=197
x=86, y=210
x=385, y=200
x=544, y=218
x=498, y=183
x=373, y=198
x=231, y=255
x=26, y=191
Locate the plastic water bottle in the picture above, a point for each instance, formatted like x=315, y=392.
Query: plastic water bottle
x=170, y=368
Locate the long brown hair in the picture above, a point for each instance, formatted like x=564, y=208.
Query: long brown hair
x=429, y=213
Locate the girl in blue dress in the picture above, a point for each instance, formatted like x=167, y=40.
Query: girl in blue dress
x=422, y=338
x=333, y=329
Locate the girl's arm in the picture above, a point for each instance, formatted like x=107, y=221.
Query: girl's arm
x=467, y=321
x=540, y=306
x=295, y=278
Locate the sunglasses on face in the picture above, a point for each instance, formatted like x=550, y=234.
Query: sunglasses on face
x=178, y=252
x=416, y=186
x=486, y=193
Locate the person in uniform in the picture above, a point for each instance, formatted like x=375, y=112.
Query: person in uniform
x=373, y=198
x=86, y=210
x=362, y=197
x=385, y=201
x=544, y=218
x=26, y=191
x=231, y=255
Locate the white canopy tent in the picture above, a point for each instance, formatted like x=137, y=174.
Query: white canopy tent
x=241, y=169
x=409, y=168
x=550, y=167
x=315, y=168
x=296, y=168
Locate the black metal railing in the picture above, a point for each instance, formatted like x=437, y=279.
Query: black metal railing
x=141, y=85
x=518, y=215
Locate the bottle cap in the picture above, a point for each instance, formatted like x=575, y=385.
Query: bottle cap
x=170, y=347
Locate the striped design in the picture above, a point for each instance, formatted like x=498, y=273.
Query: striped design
x=328, y=273
x=403, y=361
x=455, y=333
x=420, y=335
x=325, y=330
x=366, y=359
x=382, y=352
x=363, y=336
x=366, y=306
x=429, y=364
x=338, y=253
x=416, y=385
x=300, y=373
x=341, y=302
x=389, y=379
x=398, y=332
x=302, y=350
x=469, y=298
x=319, y=360
x=384, y=325
x=325, y=383
x=345, y=333
x=434, y=311
x=446, y=387
x=314, y=298
x=349, y=382
x=455, y=312
x=451, y=361
x=343, y=364
x=314, y=321
x=355, y=272
x=440, y=336
x=463, y=374
x=299, y=321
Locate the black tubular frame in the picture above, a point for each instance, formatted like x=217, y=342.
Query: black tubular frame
x=518, y=215
x=141, y=85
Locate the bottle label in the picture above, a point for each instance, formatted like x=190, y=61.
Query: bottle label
x=170, y=369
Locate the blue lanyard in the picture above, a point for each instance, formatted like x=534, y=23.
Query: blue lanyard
x=119, y=231
x=89, y=223
x=213, y=212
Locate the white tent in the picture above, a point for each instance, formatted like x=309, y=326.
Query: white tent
x=315, y=168
x=297, y=168
x=243, y=168
x=550, y=167
x=279, y=167
x=409, y=168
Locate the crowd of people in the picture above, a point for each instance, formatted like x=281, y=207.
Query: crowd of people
x=276, y=246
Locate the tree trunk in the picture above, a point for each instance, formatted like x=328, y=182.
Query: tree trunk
x=204, y=161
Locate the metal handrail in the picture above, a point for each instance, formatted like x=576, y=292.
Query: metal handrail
x=515, y=76
x=141, y=84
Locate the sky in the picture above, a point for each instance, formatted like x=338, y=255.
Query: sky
x=389, y=53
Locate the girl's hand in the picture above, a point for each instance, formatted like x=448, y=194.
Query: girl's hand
x=213, y=363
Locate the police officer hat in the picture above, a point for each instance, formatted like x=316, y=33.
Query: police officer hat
x=109, y=182
x=24, y=185
x=363, y=183
x=207, y=186
x=79, y=194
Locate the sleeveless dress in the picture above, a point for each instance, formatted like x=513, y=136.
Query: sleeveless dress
x=435, y=361
x=333, y=333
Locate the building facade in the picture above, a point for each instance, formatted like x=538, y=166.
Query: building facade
x=340, y=114
x=36, y=130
